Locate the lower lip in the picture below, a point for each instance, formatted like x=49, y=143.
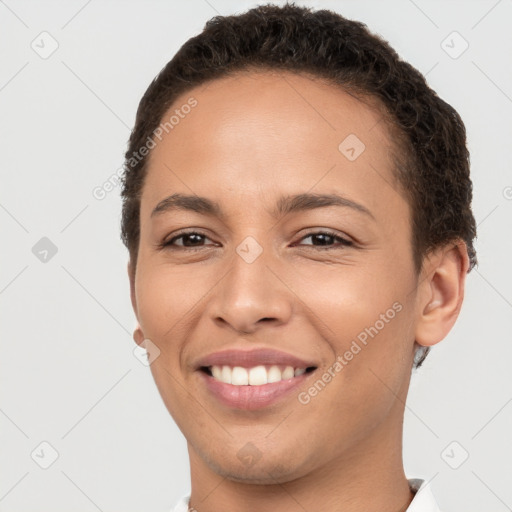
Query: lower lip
x=251, y=397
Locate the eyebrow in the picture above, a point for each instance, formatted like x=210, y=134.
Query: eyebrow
x=284, y=206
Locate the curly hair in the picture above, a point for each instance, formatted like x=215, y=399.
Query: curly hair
x=430, y=154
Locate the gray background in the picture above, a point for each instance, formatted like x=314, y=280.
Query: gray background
x=67, y=368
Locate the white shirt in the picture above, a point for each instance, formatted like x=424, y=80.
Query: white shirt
x=423, y=500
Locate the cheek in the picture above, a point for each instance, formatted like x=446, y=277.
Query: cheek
x=365, y=315
x=350, y=298
x=164, y=296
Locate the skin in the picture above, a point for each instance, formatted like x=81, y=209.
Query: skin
x=251, y=139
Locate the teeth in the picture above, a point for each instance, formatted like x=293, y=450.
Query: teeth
x=274, y=374
x=256, y=376
x=239, y=376
x=225, y=375
x=288, y=373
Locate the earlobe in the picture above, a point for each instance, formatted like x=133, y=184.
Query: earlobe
x=442, y=293
x=138, y=335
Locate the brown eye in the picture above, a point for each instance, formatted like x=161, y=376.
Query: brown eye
x=190, y=240
x=325, y=239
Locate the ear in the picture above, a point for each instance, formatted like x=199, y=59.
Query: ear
x=138, y=335
x=441, y=292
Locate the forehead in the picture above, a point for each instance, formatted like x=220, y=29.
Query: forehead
x=261, y=131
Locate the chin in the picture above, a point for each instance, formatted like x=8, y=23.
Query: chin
x=270, y=475
x=266, y=470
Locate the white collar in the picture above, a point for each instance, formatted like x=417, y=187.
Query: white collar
x=423, y=500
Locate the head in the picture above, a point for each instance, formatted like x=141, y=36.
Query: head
x=264, y=121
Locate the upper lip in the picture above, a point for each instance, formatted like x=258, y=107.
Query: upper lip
x=251, y=358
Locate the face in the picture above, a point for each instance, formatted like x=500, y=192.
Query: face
x=249, y=277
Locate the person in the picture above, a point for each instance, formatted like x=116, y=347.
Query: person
x=297, y=211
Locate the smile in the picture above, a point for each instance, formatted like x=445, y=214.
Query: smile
x=252, y=379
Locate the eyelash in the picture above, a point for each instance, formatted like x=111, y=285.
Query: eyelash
x=169, y=244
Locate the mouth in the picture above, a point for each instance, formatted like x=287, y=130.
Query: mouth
x=254, y=376
x=252, y=379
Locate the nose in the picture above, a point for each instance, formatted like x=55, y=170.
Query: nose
x=251, y=295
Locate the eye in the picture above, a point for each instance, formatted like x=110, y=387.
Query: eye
x=327, y=238
x=190, y=240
